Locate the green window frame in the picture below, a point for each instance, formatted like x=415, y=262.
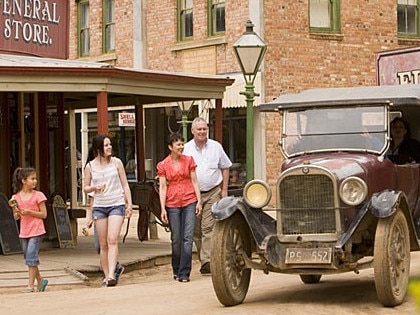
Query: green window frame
x=324, y=16
x=108, y=26
x=408, y=18
x=83, y=28
x=216, y=17
x=185, y=20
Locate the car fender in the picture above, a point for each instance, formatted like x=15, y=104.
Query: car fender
x=382, y=205
x=260, y=223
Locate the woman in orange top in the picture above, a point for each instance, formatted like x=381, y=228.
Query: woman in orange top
x=180, y=202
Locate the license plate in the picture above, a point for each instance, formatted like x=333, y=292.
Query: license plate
x=308, y=256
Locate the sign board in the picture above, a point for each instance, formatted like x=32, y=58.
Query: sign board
x=126, y=119
x=38, y=28
x=62, y=223
x=9, y=233
x=397, y=67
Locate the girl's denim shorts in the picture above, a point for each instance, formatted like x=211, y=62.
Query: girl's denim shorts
x=104, y=212
x=31, y=247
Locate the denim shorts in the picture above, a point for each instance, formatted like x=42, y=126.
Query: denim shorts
x=104, y=212
x=31, y=246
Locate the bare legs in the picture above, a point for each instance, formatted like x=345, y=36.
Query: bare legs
x=108, y=230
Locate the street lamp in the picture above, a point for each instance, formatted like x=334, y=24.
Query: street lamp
x=185, y=107
x=249, y=50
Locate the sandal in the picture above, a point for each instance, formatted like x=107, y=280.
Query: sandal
x=43, y=285
x=28, y=290
x=111, y=282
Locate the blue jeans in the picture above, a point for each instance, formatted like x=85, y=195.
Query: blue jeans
x=31, y=246
x=181, y=223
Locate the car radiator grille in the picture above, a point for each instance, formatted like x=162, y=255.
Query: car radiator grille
x=307, y=205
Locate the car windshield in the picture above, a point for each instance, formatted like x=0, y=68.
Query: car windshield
x=335, y=129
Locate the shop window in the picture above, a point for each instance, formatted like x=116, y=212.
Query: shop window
x=83, y=28
x=324, y=16
x=408, y=18
x=185, y=19
x=216, y=17
x=108, y=22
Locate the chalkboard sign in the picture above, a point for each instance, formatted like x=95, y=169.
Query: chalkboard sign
x=9, y=233
x=62, y=222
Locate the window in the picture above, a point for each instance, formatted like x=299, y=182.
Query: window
x=216, y=19
x=408, y=18
x=83, y=28
x=185, y=19
x=324, y=16
x=108, y=30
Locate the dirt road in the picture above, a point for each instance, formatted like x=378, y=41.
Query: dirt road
x=152, y=291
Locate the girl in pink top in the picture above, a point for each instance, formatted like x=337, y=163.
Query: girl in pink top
x=29, y=207
x=180, y=202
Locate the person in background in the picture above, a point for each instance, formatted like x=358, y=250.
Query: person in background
x=213, y=178
x=105, y=177
x=29, y=206
x=403, y=149
x=180, y=203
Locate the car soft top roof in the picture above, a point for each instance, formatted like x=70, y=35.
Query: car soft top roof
x=367, y=95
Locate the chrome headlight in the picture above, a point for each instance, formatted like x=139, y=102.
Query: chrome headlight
x=257, y=193
x=353, y=191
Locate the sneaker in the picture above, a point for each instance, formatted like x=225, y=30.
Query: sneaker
x=103, y=283
x=205, y=269
x=119, y=269
x=184, y=280
x=111, y=282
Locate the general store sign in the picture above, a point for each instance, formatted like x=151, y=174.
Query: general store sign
x=35, y=27
x=126, y=119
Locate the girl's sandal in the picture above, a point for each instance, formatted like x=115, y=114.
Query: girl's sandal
x=28, y=290
x=43, y=285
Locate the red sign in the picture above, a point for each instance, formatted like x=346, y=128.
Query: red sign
x=35, y=27
x=399, y=66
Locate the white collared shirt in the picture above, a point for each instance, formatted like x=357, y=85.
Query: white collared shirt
x=210, y=160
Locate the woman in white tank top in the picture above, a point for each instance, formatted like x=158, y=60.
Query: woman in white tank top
x=105, y=177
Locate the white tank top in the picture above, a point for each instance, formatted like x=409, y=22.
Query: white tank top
x=113, y=194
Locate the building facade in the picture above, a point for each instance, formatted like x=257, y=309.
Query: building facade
x=311, y=43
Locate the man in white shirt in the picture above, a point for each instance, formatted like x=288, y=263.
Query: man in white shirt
x=213, y=177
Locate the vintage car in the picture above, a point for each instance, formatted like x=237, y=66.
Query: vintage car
x=342, y=204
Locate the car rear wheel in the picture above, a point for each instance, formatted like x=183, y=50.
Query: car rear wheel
x=392, y=259
x=228, y=271
x=309, y=279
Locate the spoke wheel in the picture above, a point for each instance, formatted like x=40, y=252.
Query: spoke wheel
x=229, y=275
x=392, y=259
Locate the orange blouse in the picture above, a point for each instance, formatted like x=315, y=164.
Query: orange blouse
x=180, y=190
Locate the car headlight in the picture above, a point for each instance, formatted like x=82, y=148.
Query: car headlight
x=353, y=191
x=257, y=193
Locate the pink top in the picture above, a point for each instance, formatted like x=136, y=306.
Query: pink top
x=180, y=191
x=29, y=225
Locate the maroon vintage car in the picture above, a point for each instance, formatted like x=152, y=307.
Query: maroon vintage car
x=342, y=203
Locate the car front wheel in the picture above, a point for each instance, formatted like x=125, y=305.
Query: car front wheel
x=392, y=259
x=228, y=271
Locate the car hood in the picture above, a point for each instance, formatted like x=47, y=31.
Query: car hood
x=377, y=171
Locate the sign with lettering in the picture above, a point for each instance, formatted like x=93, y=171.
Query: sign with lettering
x=35, y=27
x=399, y=67
x=126, y=119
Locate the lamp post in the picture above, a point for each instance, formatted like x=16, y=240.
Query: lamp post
x=185, y=107
x=249, y=50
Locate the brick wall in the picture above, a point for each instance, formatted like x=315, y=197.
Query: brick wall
x=124, y=33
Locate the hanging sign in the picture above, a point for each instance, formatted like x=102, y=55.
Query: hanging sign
x=126, y=120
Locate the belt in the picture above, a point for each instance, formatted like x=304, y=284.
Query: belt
x=207, y=191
